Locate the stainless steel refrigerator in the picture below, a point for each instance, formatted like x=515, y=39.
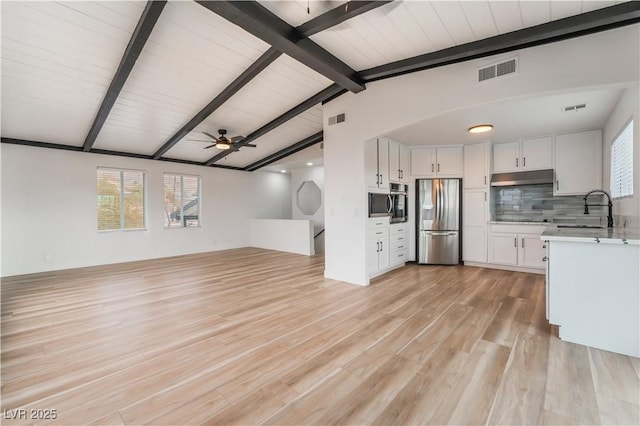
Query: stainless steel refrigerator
x=438, y=205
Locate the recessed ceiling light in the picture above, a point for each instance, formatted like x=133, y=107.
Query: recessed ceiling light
x=309, y=164
x=283, y=171
x=480, y=128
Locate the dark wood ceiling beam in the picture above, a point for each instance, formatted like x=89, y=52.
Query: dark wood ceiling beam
x=291, y=149
x=278, y=121
x=256, y=68
x=337, y=16
x=259, y=21
x=38, y=144
x=140, y=35
x=573, y=26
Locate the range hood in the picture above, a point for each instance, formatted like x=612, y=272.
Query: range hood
x=534, y=177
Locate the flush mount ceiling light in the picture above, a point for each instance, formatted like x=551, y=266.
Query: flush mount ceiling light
x=309, y=164
x=480, y=128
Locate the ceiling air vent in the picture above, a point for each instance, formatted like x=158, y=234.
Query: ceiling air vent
x=336, y=119
x=574, y=107
x=499, y=69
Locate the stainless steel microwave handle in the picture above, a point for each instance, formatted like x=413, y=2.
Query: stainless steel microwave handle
x=389, y=204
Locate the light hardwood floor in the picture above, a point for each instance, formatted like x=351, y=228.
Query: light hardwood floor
x=253, y=336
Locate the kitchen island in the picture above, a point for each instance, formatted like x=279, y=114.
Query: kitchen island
x=593, y=286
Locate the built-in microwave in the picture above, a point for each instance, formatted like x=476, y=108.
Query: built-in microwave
x=393, y=204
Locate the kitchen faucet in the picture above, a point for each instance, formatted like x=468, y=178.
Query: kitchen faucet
x=609, y=204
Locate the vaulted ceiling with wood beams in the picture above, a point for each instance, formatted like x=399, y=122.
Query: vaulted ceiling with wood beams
x=157, y=79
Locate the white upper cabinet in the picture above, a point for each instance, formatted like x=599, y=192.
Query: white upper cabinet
x=442, y=161
x=537, y=153
x=398, y=162
x=578, y=162
x=476, y=166
x=526, y=154
x=376, y=163
x=506, y=157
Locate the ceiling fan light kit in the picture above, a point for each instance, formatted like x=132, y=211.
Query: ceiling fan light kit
x=223, y=143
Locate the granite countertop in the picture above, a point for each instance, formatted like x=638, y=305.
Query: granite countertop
x=599, y=235
x=510, y=222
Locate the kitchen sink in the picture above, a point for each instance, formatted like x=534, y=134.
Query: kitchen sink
x=581, y=226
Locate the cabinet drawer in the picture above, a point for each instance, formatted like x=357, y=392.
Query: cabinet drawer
x=378, y=232
x=401, y=245
x=398, y=229
x=377, y=222
x=398, y=257
x=399, y=239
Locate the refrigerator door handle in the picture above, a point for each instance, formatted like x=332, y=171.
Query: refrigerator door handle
x=441, y=234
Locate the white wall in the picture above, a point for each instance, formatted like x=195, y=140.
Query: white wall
x=628, y=107
x=600, y=60
x=316, y=175
x=293, y=236
x=49, y=217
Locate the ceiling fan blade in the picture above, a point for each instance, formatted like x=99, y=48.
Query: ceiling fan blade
x=234, y=148
x=211, y=136
x=250, y=145
x=236, y=139
x=198, y=140
x=210, y=146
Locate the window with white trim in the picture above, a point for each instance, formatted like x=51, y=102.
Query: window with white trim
x=622, y=163
x=181, y=201
x=120, y=199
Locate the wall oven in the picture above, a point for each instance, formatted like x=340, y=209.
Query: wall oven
x=399, y=208
x=393, y=204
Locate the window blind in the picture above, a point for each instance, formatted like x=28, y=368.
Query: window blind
x=120, y=199
x=622, y=163
x=181, y=201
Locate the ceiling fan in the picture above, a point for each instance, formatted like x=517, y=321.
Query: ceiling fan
x=223, y=142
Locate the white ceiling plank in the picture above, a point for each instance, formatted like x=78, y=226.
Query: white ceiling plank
x=506, y=15
x=455, y=21
x=535, y=12
x=431, y=24
x=589, y=5
x=273, y=92
x=564, y=9
x=57, y=63
x=480, y=19
x=190, y=57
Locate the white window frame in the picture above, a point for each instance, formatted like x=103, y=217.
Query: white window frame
x=122, y=212
x=614, y=173
x=182, y=176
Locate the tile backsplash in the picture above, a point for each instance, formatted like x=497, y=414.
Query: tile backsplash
x=536, y=203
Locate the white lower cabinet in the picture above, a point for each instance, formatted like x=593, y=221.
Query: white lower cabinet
x=398, y=244
x=377, y=246
x=517, y=245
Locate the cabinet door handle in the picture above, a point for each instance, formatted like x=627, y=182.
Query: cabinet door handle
x=522, y=242
x=431, y=167
x=524, y=161
x=557, y=185
x=516, y=162
x=485, y=180
x=380, y=245
x=438, y=167
x=485, y=196
x=515, y=242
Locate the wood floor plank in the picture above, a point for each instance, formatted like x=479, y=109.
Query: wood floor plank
x=522, y=390
x=570, y=390
x=471, y=398
x=251, y=336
